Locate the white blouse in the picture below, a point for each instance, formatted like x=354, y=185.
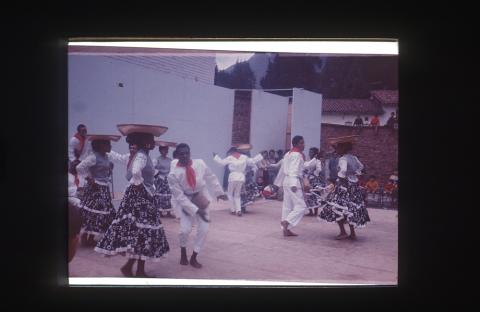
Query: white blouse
x=238, y=166
x=91, y=160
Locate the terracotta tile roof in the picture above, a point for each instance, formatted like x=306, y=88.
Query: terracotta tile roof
x=351, y=106
x=386, y=97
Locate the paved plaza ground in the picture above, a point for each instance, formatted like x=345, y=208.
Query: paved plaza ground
x=253, y=248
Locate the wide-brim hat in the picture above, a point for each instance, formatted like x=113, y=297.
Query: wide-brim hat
x=243, y=146
x=156, y=130
x=165, y=143
x=343, y=139
x=104, y=137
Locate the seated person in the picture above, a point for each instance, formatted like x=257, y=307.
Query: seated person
x=372, y=185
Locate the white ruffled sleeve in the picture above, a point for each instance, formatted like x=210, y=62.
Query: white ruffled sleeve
x=82, y=167
x=342, y=163
x=122, y=158
x=139, y=163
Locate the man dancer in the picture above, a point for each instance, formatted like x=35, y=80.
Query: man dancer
x=188, y=180
x=293, y=198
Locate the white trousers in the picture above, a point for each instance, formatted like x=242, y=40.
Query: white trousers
x=186, y=225
x=234, y=189
x=293, y=207
x=176, y=207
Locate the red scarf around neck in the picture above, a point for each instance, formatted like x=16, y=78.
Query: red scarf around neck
x=236, y=155
x=82, y=142
x=191, y=179
x=296, y=149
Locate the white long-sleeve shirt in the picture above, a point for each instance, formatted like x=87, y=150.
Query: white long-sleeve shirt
x=291, y=169
x=75, y=144
x=91, y=160
x=238, y=166
x=177, y=179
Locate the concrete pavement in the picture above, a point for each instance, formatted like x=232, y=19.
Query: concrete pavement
x=252, y=247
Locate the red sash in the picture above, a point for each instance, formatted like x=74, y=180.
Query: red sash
x=191, y=179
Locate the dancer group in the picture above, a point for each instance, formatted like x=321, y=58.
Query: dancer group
x=185, y=187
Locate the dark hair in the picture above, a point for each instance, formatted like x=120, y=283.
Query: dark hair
x=372, y=176
x=182, y=145
x=174, y=153
x=272, y=150
x=296, y=139
x=97, y=144
x=232, y=149
x=314, y=149
x=140, y=139
x=280, y=151
x=80, y=126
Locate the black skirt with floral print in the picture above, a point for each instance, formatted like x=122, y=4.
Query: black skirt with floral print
x=346, y=202
x=97, y=211
x=136, y=231
x=163, y=195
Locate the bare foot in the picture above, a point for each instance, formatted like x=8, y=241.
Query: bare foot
x=341, y=236
x=143, y=274
x=195, y=264
x=289, y=233
x=126, y=271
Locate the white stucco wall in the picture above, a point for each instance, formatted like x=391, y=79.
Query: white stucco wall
x=268, y=123
x=196, y=113
x=307, y=117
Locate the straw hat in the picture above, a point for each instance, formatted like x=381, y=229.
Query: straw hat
x=243, y=146
x=105, y=137
x=126, y=129
x=343, y=139
x=165, y=143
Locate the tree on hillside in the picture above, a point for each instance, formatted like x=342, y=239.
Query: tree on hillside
x=242, y=77
x=286, y=72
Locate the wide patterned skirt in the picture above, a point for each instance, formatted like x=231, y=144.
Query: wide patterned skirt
x=345, y=202
x=97, y=210
x=313, y=200
x=163, y=195
x=136, y=231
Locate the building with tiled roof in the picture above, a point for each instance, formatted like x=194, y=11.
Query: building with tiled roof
x=385, y=97
x=345, y=111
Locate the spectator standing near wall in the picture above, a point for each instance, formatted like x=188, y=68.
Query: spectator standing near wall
x=375, y=122
x=358, y=121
